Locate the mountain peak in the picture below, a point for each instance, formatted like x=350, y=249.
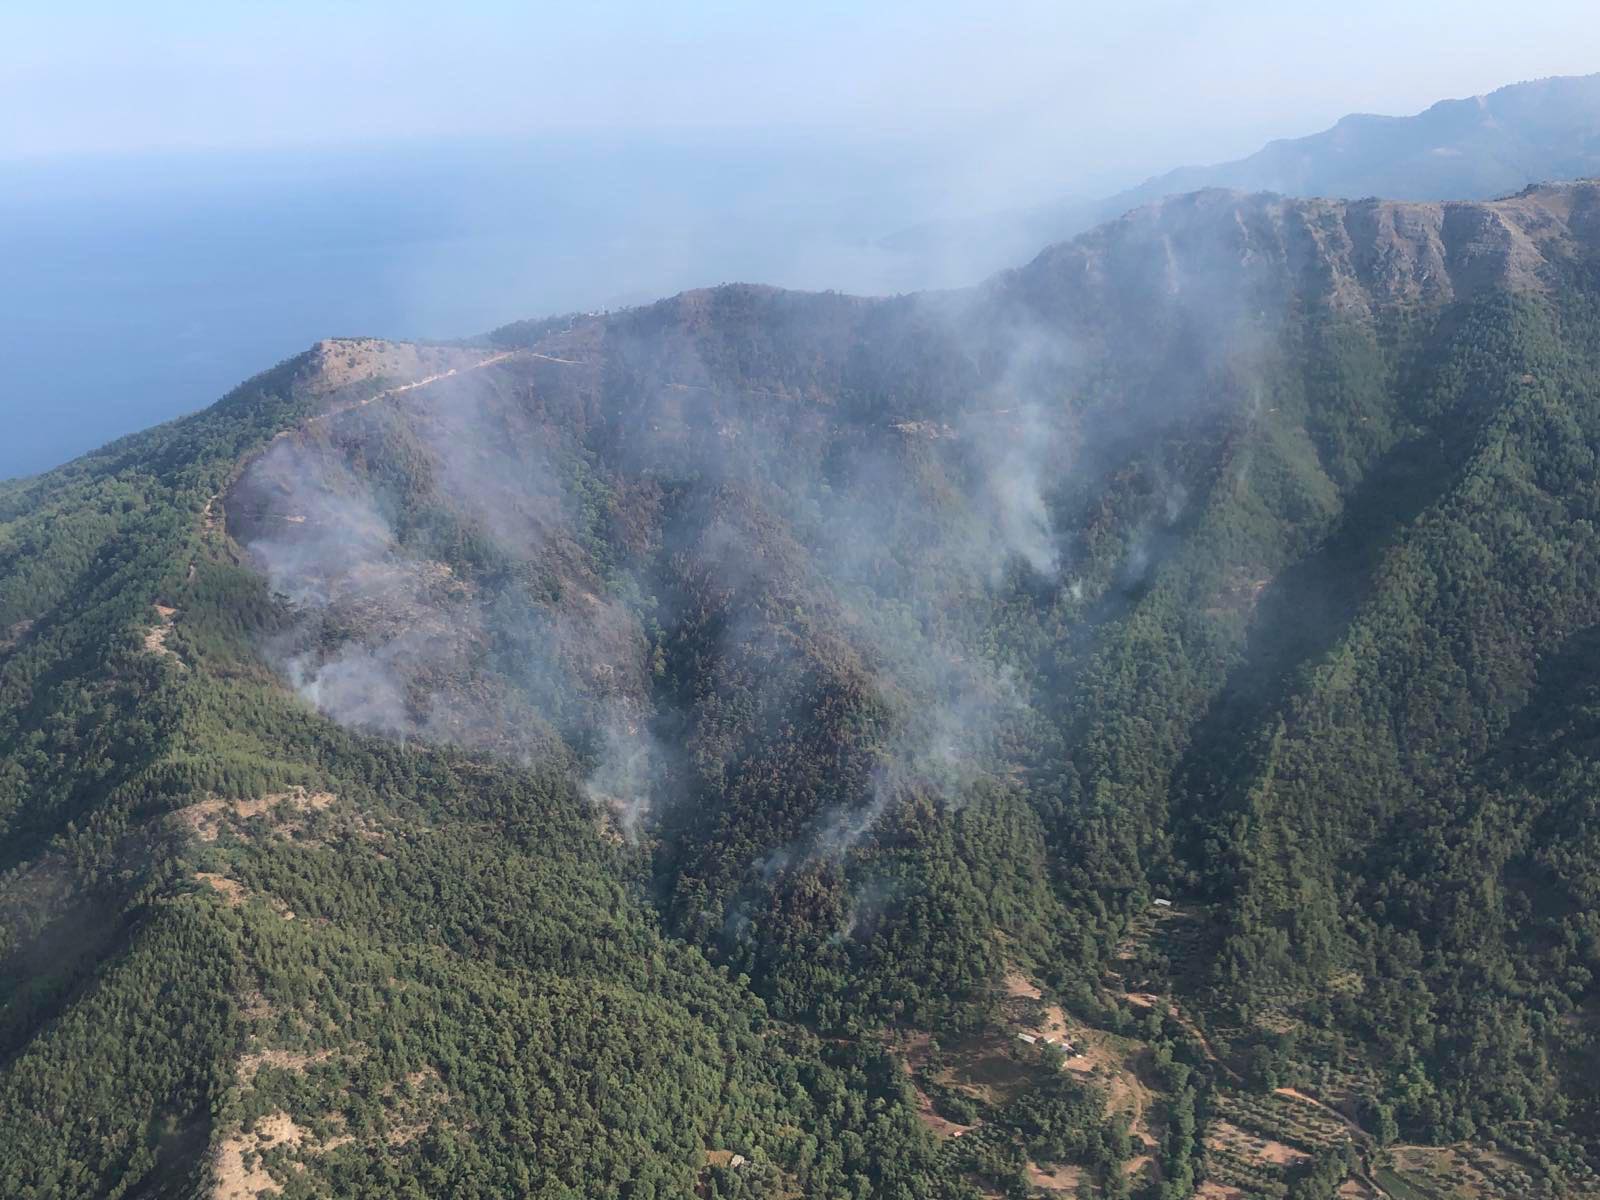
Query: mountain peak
x=1475, y=148
x=1355, y=256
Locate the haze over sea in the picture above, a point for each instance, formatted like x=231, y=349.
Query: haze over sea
x=190, y=193
x=184, y=274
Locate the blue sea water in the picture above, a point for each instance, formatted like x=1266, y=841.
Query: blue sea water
x=140, y=288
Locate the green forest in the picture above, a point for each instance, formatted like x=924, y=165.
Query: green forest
x=694, y=751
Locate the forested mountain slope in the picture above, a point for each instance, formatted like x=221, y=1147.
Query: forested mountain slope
x=680, y=751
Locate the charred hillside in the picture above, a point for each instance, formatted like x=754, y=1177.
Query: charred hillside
x=738, y=690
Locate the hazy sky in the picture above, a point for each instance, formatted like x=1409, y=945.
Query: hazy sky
x=198, y=189
x=1121, y=89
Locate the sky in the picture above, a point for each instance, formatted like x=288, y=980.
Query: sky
x=1013, y=89
x=191, y=192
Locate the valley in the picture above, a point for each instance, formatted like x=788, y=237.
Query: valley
x=1125, y=729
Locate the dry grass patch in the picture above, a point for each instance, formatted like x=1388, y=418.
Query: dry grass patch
x=1027, y=1013
x=1140, y=1165
x=987, y=1066
x=1112, y=1063
x=1018, y=988
x=1056, y=1179
x=1354, y=1189
x=251, y=1065
x=1224, y=1137
x=912, y=1051
x=936, y=1124
x=991, y=1066
x=1457, y=1170
x=287, y=811
x=412, y=1116
x=231, y=890
x=405, y=1133
x=155, y=639
x=238, y=1169
x=235, y=895
x=254, y=1006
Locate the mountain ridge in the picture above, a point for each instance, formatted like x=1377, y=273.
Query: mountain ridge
x=1513, y=137
x=719, y=730
x=1523, y=114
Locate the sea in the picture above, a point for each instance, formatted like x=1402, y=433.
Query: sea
x=137, y=288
